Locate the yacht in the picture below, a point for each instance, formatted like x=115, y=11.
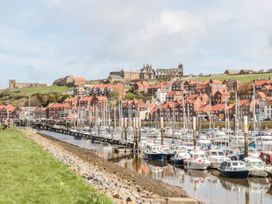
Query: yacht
x=256, y=167
x=216, y=157
x=197, y=161
x=155, y=152
x=179, y=157
x=234, y=169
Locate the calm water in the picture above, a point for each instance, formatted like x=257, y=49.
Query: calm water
x=203, y=185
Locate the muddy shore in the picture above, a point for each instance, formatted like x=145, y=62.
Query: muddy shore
x=120, y=184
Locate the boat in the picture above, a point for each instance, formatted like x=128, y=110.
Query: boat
x=233, y=169
x=155, y=152
x=256, y=167
x=216, y=157
x=264, y=142
x=266, y=157
x=169, y=151
x=197, y=161
x=179, y=157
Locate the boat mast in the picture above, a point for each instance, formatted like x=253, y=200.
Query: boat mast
x=254, y=106
x=235, y=119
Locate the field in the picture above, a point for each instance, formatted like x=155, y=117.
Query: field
x=242, y=78
x=30, y=175
x=49, y=89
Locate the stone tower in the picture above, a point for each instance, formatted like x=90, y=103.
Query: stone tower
x=12, y=84
x=180, y=70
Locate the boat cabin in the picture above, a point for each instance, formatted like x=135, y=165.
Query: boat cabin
x=232, y=165
x=266, y=157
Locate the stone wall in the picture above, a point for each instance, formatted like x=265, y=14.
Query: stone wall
x=14, y=85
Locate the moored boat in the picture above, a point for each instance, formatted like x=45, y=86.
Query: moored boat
x=155, y=152
x=256, y=167
x=179, y=157
x=216, y=157
x=198, y=161
x=234, y=169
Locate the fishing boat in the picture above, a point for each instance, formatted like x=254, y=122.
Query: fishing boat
x=216, y=157
x=256, y=167
x=197, y=161
x=233, y=169
x=155, y=152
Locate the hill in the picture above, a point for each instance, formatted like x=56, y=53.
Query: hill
x=242, y=78
x=39, y=96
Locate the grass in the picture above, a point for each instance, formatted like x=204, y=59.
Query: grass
x=48, y=89
x=30, y=175
x=242, y=78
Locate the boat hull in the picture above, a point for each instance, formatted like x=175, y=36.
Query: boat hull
x=193, y=165
x=257, y=173
x=157, y=157
x=177, y=162
x=234, y=174
x=169, y=156
x=215, y=165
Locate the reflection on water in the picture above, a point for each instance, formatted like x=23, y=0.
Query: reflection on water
x=206, y=186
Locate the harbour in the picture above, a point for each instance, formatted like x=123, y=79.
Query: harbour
x=207, y=186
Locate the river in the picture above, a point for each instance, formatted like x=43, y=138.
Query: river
x=205, y=186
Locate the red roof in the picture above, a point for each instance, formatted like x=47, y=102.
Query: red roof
x=260, y=82
x=10, y=108
x=261, y=94
x=71, y=100
x=218, y=107
x=59, y=105
x=244, y=102
x=86, y=99
x=102, y=98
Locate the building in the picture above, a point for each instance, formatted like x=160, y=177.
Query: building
x=70, y=81
x=14, y=85
x=232, y=85
x=247, y=71
x=147, y=72
x=169, y=72
x=232, y=72
x=105, y=89
x=7, y=112
x=58, y=110
x=130, y=75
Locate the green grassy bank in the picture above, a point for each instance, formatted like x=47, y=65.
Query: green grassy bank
x=242, y=78
x=28, y=174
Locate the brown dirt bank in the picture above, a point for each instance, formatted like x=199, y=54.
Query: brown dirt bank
x=157, y=187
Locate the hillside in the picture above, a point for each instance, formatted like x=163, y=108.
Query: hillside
x=242, y=78
x=39, y=96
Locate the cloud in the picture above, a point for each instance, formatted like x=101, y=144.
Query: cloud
x=44, y=40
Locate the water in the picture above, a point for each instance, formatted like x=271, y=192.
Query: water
x=206, y=186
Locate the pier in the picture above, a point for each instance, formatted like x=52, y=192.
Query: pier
x=94, y=138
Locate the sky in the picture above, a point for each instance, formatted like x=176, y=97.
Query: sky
x=42, y=40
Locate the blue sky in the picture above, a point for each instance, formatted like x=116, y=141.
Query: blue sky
x=42, y=40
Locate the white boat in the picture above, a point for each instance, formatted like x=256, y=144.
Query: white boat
x=256, y=167
x=234, y=169
x=216, y=157
x=264, y=142
x=155, y=152
x=179, y=158
x=203, y=141
x=198, y=161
